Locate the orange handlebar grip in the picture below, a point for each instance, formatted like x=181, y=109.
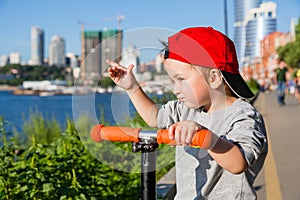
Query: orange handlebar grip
x=114, y=133
x=163, y=137
x=199, y=139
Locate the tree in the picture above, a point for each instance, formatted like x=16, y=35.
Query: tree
x=106, y=82
x=290, y=53
x=22, y=73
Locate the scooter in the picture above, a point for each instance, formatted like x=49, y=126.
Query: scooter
x=147, y=143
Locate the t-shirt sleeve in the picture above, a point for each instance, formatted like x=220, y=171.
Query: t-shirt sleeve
x=168, y=114
x=248, y=132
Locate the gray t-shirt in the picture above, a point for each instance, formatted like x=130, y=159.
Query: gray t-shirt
x=198, y=176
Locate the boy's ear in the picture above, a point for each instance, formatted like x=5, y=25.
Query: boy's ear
x=215, y=78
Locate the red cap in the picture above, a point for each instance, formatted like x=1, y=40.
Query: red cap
x=206, y=47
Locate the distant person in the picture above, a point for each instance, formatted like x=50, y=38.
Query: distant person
x=212, y=96
x=281, y=81
x=297, y=83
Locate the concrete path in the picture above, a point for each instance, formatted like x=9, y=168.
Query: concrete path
x=280, y=177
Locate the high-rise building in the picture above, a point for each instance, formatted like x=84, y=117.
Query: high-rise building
x=111, y=45
x=159, y=66
x=57, y=51
x=131, y=55
x=294, y=22
x=260, y=22
x=72, y=60
x=14, y=58
x=253, y=21
x=241, y=9
x=91, y=61
x=37, y=46
x=4, y=60
x=98, y=46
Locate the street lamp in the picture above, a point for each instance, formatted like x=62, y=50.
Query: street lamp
x=225, y=17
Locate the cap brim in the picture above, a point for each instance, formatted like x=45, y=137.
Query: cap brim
x=238, y=85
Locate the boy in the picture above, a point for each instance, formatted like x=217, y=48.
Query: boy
x=203, y=65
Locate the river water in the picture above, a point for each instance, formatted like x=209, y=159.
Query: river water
x=115, y=107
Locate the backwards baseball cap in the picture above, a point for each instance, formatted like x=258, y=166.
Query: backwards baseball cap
x=206, y=47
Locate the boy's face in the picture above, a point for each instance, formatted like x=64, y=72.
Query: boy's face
x=190, y=86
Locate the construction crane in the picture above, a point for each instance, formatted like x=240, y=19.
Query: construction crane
x=82, y=68
x=118, y=18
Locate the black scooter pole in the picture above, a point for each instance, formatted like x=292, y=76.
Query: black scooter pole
x=148, y=147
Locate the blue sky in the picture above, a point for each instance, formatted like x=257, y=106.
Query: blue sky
x=61, y=17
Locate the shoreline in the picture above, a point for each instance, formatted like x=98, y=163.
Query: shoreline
x=8, y=88
x=16, y=90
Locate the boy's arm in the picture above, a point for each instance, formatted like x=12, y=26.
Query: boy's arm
x=228, y=156
x=124, y=78
x=144, y=106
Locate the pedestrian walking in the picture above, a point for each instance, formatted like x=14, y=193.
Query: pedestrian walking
x=281, y=80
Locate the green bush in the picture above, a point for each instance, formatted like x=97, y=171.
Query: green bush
x=62, y=170
x=253, y=85
x=45, y=131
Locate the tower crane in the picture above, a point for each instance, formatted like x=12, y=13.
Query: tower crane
x=119, y=19
x=82, y=68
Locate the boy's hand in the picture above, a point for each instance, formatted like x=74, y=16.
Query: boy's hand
x=122, y=76
x=184, y=131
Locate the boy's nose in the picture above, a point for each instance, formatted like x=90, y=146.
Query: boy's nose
x=176, y=90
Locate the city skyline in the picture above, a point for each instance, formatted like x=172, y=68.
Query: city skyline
x=62, y=18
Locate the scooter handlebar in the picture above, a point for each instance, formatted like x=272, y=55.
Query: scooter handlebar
x=126, y=134
x=115, y=133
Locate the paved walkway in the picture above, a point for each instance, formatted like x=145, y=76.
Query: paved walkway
x=280, y=177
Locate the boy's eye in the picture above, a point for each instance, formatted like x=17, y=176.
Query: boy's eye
x=180, y=78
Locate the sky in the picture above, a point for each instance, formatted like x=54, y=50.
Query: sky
x=143, y=20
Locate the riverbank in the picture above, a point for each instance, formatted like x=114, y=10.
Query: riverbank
x=60, y=91
x=8, y=88
x=57, y=90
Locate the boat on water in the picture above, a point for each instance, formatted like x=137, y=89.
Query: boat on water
x=46, y=94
